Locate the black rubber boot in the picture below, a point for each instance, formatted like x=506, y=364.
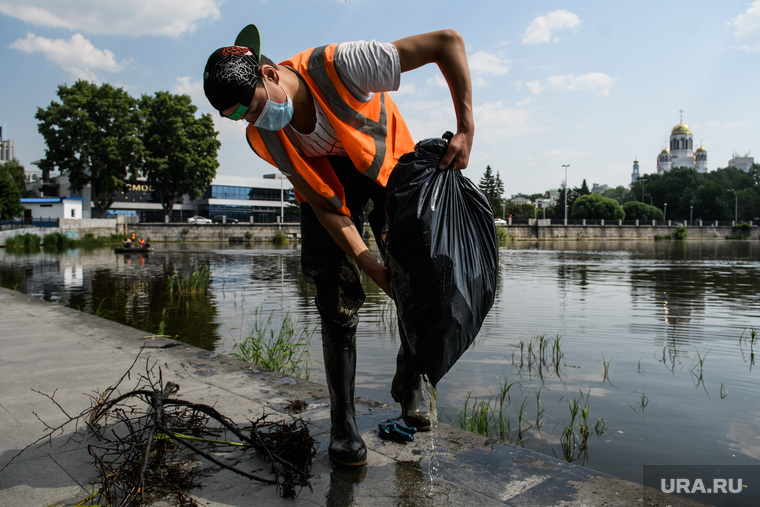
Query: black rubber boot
x=410, y=390
x=339, y=348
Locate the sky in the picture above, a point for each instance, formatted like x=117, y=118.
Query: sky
x=593, y=84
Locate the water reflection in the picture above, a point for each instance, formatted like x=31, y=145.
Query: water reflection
x=343, y=482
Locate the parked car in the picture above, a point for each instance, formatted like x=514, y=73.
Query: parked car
x=500, y=221
x=219, y=219
x=197, y=219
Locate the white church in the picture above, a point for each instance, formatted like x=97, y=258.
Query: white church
x=681, y=152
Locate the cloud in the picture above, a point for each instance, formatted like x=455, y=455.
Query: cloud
x=126, y=17
x=488, y=63
x=77, y=56
x=406, y=89
x=186, y=85
x=748, y=28
x=595, y=82
x=543, y=27
x=438, y=81
x=494, y=123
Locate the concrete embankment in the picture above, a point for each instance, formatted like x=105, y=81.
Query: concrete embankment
x=68, y=355
x=573, y=232
x=535, y=230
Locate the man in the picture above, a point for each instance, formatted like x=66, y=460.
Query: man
x=324, y=120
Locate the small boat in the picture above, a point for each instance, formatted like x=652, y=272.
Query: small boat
x=132, y=249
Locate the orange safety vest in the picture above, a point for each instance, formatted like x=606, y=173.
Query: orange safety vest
x=373, y=133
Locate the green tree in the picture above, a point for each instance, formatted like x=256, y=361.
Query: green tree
x=559, y=208
x=594, y=206
x=180, y=149
x=621, y=194
x=16, y=170
x=493, y=188
x=10, y=194
x=519, y=210
x=92, y=136
x=635, y=210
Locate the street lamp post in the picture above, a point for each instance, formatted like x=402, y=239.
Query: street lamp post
x=651, y=201
x=665, y=213
x=736, y=205
x=565, y=166
x=691, y=214
x=643, y=185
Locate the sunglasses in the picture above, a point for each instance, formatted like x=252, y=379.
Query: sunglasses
x=241, y=110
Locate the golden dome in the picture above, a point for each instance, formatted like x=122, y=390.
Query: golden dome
x=681, y=128
x=664, y=150
x=701, y=148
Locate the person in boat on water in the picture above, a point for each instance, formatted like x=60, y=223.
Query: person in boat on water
x=324, y=119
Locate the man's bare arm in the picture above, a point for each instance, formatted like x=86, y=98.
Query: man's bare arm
x=341, y=228
x=446, y=49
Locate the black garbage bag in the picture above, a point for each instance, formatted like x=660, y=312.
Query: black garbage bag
x=442, y=257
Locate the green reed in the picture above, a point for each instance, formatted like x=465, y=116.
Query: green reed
x=282, y=348
x=192, y=284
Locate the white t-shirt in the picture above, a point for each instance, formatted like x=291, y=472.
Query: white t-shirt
x=366, y=68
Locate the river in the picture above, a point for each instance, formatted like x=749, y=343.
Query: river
x=655, y=338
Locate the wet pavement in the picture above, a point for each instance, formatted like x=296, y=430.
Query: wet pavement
x=54, y=358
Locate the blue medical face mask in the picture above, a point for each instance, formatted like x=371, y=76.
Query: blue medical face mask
x=274, y=115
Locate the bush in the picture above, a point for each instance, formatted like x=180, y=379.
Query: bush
x=681, y=232
x=635, y=210
x=279, y=238
x=27, y=242
x=56, y=240
x=595, y=206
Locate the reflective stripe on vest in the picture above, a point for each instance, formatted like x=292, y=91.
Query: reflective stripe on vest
x=377, y=130
x=278, y=153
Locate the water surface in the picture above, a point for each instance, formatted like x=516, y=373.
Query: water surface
x=656, y=335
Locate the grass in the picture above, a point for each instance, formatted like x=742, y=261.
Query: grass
x=752, y=336
x=574, y=443
x=283, y=348
x=539, y=354
x=488, y=415
x=279, y=238
x=188, y=285
x=25, y=242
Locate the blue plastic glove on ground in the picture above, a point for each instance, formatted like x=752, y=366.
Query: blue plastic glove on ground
x=391, y=430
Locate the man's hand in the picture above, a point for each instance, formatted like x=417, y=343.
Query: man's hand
x=446, y=49
x=458, y=153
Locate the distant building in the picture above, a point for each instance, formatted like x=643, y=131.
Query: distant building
x=744, y=163
x=520, y=200
x=7, y=148
x=680, y=153
x=243, y=198
x=598, y=188
x=54, y=207
x=635, y=175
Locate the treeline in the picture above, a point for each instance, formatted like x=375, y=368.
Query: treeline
x=682, y=194
x=99, y=135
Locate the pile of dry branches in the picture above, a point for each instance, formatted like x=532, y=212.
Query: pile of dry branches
x=149, y=444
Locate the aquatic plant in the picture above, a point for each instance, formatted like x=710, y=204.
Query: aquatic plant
x=488, y=415
x=191, y=284
x=279, y=238
x=26, y=242
x=574, y=444
x=606, y=366
x=56, y=240
x=283, y=348
x=540, y=354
